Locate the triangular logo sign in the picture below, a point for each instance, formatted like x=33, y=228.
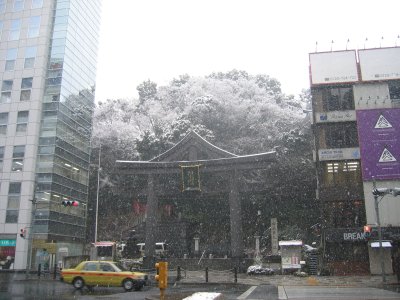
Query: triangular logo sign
x=382, y=123
x=386, y=156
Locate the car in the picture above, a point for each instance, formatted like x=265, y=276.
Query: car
x=103, y=273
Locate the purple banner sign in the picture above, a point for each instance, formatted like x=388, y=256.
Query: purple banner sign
x=379, y=137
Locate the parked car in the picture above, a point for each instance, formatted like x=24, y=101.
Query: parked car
x=259, y=270
x=103, y=273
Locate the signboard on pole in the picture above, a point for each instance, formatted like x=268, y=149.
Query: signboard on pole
x=274, y=236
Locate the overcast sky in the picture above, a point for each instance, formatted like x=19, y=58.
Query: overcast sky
x=162, y=39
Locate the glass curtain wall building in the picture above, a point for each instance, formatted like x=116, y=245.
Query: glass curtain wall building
x=48, y=60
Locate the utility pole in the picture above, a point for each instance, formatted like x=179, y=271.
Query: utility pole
x=378, y=223
x=97, y=197
x=30, y=236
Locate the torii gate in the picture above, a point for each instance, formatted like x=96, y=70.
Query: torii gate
x=193, y=150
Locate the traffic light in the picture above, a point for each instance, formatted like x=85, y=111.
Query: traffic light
x=395, y=191
x=70, y=203
x=22, y=233
x=367, y=231
x=162, y=274
x=381, y=191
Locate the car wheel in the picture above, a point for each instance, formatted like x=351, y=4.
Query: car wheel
x=127, y=285
x=138, y=287
x=78, y=283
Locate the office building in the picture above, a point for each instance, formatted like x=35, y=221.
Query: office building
x=48, y=59
x=356, y=122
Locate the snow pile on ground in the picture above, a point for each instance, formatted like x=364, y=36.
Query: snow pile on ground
x=205, y=296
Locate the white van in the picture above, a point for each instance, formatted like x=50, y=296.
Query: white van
x=161, y=248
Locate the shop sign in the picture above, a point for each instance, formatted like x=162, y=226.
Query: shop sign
x=345, y=235
x=336, y=116
x=8, y=243
x=338, y=153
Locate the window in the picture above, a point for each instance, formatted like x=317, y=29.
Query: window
x=26, y=86
x=37, y=3
x=18, y=5
x=341, y=135
x=346, y=214
x=338, y=98
x=341, y=173
x=14, y=194
x=1, y=27
x=22, y=121
x=90, y=267
x=1, y=157
x=11, y=56
x=30, y=55
x=14, y=30
x=34, y=26
x=3, y=6
x=3, y=123
x=18, y=158
x=394, y=90
x=6, y=91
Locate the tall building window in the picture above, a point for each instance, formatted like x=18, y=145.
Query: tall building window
x=338, y=98
x=30, y=55
x=3, y=123
x=14, y=196
x=26, y=87
x=1, y=157
x=394, y=90
x=11, y=56
x=37, y=4
x=341, y=135
x=336, y=173
x=6, y=89
x=18, y=5
x=34, y=26
x=14, y=30
x=22, y=121
x=1, y=28
x=18, y=159
x=3, y=6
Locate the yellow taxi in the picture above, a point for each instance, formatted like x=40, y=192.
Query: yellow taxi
x=103, y=273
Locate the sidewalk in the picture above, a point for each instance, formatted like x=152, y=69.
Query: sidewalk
x=290, y=280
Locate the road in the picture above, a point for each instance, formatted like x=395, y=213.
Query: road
x=16, y=287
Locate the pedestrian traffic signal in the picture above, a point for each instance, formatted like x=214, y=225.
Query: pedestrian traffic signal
x=162, y=274
x=22, y=233
x=70, y=203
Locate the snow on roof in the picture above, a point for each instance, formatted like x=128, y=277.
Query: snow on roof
x=205, y=296
x=290, y=243
x=384, y=245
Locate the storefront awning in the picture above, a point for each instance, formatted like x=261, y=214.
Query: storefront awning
x=384, y=244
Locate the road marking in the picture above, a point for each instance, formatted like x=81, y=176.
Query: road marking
x=247, y=293
x=281, y=293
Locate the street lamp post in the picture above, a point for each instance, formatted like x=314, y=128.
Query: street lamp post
x=97, y=197
x=381, y=192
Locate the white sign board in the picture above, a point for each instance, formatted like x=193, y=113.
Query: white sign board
x=379, y=64
x=338, y=153
x=335, y=116
x=333, y=67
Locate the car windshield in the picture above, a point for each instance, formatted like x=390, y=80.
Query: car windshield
x=120, y=267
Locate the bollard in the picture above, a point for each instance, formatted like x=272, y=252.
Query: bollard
x=55, y=272
x=235, y=271
x=178, y=275
x=207, y=274
x=39, y=270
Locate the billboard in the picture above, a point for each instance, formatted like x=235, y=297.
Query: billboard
x=379, y=64
x=333, y=67
x=379, y=137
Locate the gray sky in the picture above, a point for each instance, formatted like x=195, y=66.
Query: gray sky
x=162, y=39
